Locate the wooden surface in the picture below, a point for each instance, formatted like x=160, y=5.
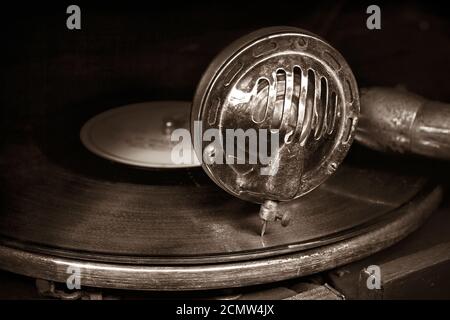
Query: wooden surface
x=416, y=268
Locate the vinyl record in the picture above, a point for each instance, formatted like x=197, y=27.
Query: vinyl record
x=61, y=204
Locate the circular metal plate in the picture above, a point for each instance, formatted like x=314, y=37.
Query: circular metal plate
x=300, y=263
x=139, y=134
x=285, y=79
x=162, y=232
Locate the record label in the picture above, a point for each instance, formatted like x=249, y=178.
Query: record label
x=139, y=134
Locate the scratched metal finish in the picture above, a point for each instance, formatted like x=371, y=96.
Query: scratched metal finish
x=399, y=121
x=285, y=79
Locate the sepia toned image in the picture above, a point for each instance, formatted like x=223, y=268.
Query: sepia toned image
x=231, y=152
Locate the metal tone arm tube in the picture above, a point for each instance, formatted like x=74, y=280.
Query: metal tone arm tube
x=394, y=120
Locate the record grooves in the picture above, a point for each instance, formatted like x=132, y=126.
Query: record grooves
x=227, y=275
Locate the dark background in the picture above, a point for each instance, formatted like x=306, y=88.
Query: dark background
x=128, y=52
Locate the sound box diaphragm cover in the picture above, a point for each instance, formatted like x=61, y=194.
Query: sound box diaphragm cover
x=284, y=80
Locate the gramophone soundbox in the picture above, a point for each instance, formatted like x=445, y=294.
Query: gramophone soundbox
x=129, y=227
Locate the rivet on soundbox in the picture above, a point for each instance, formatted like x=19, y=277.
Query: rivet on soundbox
x=332, y=167
x=210, y=153
x=168, y=126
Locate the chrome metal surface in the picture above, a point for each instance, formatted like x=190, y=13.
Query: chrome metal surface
x=286, y=79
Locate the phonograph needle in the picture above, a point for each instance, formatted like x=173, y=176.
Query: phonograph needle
x=263, y=229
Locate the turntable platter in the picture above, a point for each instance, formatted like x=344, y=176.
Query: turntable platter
x=176, y=230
